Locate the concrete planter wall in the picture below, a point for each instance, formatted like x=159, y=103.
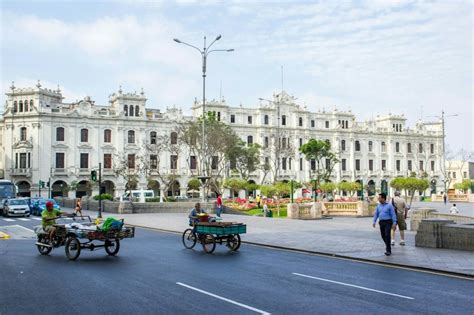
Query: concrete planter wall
x=443, y=233
x=304, y=211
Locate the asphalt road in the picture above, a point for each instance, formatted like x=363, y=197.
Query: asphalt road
x=154, y=274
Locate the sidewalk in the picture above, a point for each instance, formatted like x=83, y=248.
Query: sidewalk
x=348, y=237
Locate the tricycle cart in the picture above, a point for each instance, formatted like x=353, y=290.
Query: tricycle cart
x=210, y=233
x=70, y=236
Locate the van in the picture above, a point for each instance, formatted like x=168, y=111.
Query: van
x=139, y=195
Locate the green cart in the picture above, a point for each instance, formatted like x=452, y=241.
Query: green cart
x=212, y=233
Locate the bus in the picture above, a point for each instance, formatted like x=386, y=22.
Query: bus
x=7, y=190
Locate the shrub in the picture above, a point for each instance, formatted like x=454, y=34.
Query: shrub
x=156, y=199
x=104, y=197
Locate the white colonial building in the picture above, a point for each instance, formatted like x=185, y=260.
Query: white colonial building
x=42, y=138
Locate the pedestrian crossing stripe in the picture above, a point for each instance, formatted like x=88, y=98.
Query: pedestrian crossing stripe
x=9, y=220
x=37, y=219
x=23, y=219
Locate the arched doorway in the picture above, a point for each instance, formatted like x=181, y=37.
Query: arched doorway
x=108, y=187
x=384, y=186
x=155, y=186
x=433, y=186
x=173, y=190
x=59, y=189
x=83, y=189
x=23, y=189
x=371, y=188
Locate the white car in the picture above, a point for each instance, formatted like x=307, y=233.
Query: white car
x=16, y=207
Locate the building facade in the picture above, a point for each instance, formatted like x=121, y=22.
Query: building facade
x=45, y=139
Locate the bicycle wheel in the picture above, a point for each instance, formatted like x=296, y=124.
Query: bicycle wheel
x=73, y=248
x=208, y=242
x=233, y=242
x=112, y=247
x=43, y=250
x=189, y=239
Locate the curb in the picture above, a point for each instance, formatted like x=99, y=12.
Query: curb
x=4, y=236
x=332, y=255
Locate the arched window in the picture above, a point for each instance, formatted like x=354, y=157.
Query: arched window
x=420, y=147
x=107, y=135
x=153, y=137
x=137, y=111
x=15, y=106
x=21, y=107
x=265, y=119
x=23, y=134
x=283, y=120
x=125, y=110
x=131, y=136
x=370, y=146
x=25, y=108
x=383, y=146
x=174, y=138
x=357, y=145
x=300, y=122
x=60, y=134
x=131, y=110
x=31, y=105
x=84, y=135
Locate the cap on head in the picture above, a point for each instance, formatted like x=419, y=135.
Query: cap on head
x=397, y=193
x=49, y=204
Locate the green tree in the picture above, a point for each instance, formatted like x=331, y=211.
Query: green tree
x=194, y=184
x=465, y=185
x=328, y=187
x=235, y=184
x=245, y=158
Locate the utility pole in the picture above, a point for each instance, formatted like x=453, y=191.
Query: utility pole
x=100, y=190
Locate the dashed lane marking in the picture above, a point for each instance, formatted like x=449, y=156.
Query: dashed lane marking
x=9, y=220
x=223, y=299
x=354, y=286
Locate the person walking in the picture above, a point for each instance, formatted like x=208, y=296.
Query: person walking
x=401, y=209
x=78, y=208
x=258, y=201
x=219, y=205
x=454, y=209
x=387, y=217
x=445, y=198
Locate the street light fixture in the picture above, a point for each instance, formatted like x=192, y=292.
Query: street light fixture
x=204, y=53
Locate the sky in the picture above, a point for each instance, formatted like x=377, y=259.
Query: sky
x=373, y=57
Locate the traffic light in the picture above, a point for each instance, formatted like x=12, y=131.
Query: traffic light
x=94, y=176
x=41, y=184
x=47, y=183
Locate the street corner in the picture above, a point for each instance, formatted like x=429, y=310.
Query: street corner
x=16, y=232
x=4, y=236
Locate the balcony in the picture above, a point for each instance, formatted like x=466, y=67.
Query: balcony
x=59, y=171
x=25, y=172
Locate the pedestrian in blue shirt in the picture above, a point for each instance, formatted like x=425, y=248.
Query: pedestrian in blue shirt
x=387, y=218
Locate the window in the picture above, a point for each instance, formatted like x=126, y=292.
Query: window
x=420, y=147
x=409, y=147
x=301, y=142
x=283, y=164
x=153, y=162
x=218, y=116
x=313, y=164
x=193, y=162
x=15, y=106
x=421, y=166
x=26, y=106
x=59, y=160
x=433, y=167
x=29, y=159
x=300, y=122
x=328, y=142
x=343, y=145
x=410, y=167
x=343, y=165
x=383, y=148
x=137, y=111
x=131, y=136
x=60, y=134
x=347, y=124
x=174, y=162
x=125, y=110
x=370, y=146
x=84, y=160
x=432, y=148
x=326, y=124
x=267, y=163
x=283, y=143
x=301, y=164
x=174, y=138
x=357, y=165
x=84, y=135
x=283, y=120
x=265, y=120
x=131, y=110
x=249, y=140
x=265, y=142
x=384, y=165
x=454, y=174
x=23, y=134
x=328, y=164
x=312, y=123
x=371, y=165
x=107, y=135
x=249, y=120
x=23, y=160
x=214, y=162
x=397, y=147
x=21, y=106
x=398, y=165
x=232, y=119
x=131, y=161
x=108, y=160
x=153, y=137
x=357, y=145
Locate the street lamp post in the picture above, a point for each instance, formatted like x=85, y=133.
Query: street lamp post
x=204, y=53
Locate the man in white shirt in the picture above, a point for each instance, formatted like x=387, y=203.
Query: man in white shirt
x=454, y=209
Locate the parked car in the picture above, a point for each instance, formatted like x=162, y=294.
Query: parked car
x=181, y=198
x=15, y=207
x=138, y=194
x=40, y=204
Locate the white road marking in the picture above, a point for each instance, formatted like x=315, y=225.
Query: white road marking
x=223, y=299
x=354, y=286
x=37, y=219
x=9, y=220
x=20, y=226
x=24, y=219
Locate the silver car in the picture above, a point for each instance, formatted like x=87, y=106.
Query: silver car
x=16, y=207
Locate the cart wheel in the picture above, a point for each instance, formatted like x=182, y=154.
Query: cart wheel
x=208, y=243
x=112, y=247
x=233, y=242
x=73, y=248
x=189, y=239
x=43, y=250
